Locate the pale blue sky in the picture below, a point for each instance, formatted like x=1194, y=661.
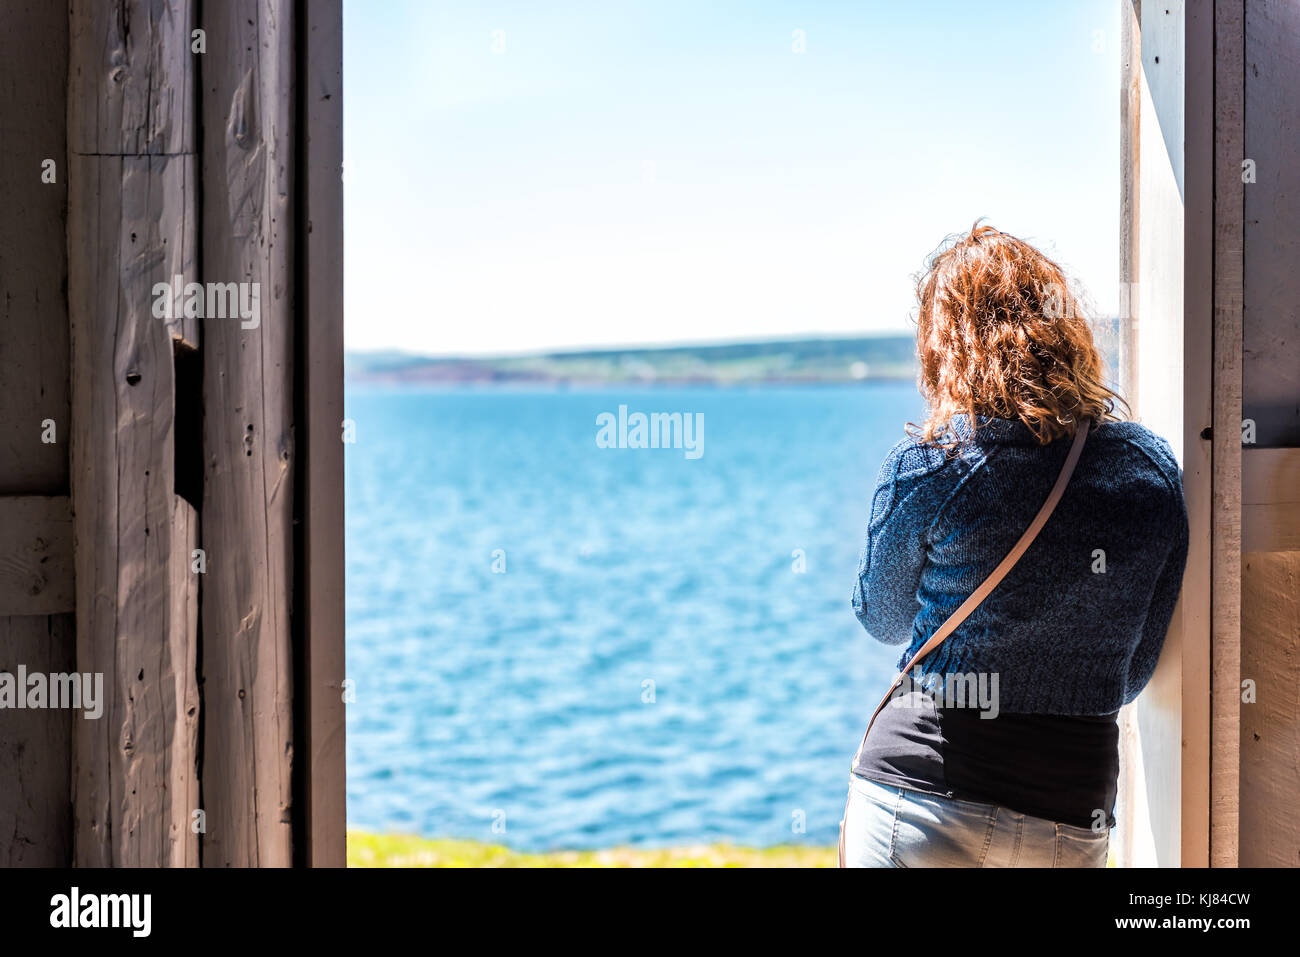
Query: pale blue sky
x=664, y=171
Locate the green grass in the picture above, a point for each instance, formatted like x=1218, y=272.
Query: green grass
x=401, y=850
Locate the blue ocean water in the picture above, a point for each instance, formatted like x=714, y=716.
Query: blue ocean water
x=650, y=668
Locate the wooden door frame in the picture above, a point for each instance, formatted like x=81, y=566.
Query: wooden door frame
x=321, y=837
x=1181, y=737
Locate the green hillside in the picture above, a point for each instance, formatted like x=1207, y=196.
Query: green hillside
x=741, y=363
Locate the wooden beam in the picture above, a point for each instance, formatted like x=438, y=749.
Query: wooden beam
x=248, y=438
x=320, y=391
x=131, y=224
x=1198, y=415
x=1229, y=210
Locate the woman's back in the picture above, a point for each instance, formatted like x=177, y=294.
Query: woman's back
x=1077, y=625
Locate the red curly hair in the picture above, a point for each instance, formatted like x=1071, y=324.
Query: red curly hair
x=1001, y=334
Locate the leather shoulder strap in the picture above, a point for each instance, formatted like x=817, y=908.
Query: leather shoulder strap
x=999, y=573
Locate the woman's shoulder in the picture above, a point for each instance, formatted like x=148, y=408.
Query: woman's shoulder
x=1143, y=445
x=910, y=454
x=915, y=467
x=917, y=477
x=913, y=458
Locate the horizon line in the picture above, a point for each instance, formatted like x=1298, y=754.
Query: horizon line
x=638, y=347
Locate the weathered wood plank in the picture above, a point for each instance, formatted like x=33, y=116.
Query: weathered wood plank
x=35, y=804
x=131, y=79
x=320, y=389
x=247, y=662
x=1270, y=503
x=132, y=568
x=1274, y=527
x=1270, y=475
x=33, y=261
x=1229, y=209
x=1195, y=391
x=1270, y=578
x=35, y=747
x=178, y=832
x=1270, y=240
x=131, y=225
x=1270, y=751
x=36, y=555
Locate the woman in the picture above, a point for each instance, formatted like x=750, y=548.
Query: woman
x=1001, y=750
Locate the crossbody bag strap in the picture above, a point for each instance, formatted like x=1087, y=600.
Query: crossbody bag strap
x=999, y=573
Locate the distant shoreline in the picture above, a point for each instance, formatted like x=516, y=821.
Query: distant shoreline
x=578, y=385
x=784, y=362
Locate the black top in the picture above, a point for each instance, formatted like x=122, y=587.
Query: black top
x=1064, y=768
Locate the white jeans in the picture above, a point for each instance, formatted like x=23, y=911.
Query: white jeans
x=895, y=827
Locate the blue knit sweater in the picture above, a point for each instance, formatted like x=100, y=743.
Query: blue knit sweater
x=1076, y=626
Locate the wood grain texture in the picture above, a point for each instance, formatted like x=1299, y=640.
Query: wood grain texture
x=1196, y=397
x=1270, y=475
x=33, y=261
x=1270, y=740
x=1271, y=241
x=130, y=82
x=1270, y=481
x=1225, y=657
x=320, y=388
x=35, y=538
x=36, y=576
x=35, y=807
x=127, y=230
x=247, y=660
x=1274, y=527
x=1270, y=501
x=180, y=702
